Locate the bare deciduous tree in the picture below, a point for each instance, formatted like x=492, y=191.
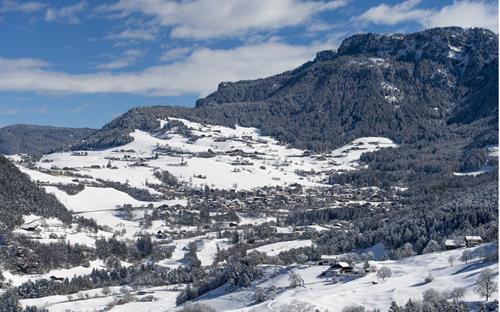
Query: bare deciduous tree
x=450, y=260
x=295, y=280
x=466, y=256
x=384, y=272
x=486, y=286
x=297, y=306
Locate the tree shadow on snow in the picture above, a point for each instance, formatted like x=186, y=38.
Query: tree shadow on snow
x=439, y=269
x=420, y=284
x=472, y=267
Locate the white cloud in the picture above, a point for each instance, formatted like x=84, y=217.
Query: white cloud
x=466, y=14
x=205, y=19
x=175, y=54
x=391, y=15
x=23, y=7
x=135, y=34
x=66, y=14
x=8, y=110
x=128, y=58
x=460, y=13
x=80, y=108
x=198, y=74
x=21, y=64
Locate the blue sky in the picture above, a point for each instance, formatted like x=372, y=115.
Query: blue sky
x=82, y=63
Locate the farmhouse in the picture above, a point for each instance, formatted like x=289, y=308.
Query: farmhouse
x=342, y=267
x=450, y=244
x=471, y=241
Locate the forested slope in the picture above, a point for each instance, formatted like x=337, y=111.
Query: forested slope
x=33, y=139
x=408, y=87
x=20, y=196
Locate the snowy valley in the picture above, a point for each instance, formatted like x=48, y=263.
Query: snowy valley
x=197, y=195
x=365, y=179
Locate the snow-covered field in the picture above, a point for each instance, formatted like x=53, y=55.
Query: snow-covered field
x=17, y=280
x=223, y=158
x=276, y=248
x=407, y=281
x=49, y=230
x=240, y=158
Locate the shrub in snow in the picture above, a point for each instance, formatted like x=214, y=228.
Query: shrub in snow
x=457, y=294
x=429, y=278
x=106, y=291
x=366, y=265
x=432, y=295
x=297, y=306
x=264, y=294
x=198, y=307
x=295, y=280
x=353, y=309
x=166, y=177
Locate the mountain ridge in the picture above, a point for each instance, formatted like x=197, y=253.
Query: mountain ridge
x=369, y=87
x=37, y=139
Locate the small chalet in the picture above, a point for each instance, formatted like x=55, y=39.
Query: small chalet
x=327, y=260
x=471, y=241
x=30, y=227
x=342, y=267
x=451, y=244
x=339, y=267
x=55, y=278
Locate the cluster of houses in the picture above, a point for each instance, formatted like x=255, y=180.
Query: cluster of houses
x=466, y=241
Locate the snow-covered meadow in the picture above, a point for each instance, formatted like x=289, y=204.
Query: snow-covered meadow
x=238, y=158
x=407, y=281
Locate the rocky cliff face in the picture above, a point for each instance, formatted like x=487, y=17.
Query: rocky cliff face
x=446, y=69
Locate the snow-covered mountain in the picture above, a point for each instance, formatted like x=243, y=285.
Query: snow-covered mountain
x=360, y=180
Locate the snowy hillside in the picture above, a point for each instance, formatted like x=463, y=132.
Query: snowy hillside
x=270, y=194
x=201, y=155
x=407, y=281
x=196, y=155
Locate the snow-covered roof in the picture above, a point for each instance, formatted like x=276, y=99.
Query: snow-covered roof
x=476, y=238
x=343, y=264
